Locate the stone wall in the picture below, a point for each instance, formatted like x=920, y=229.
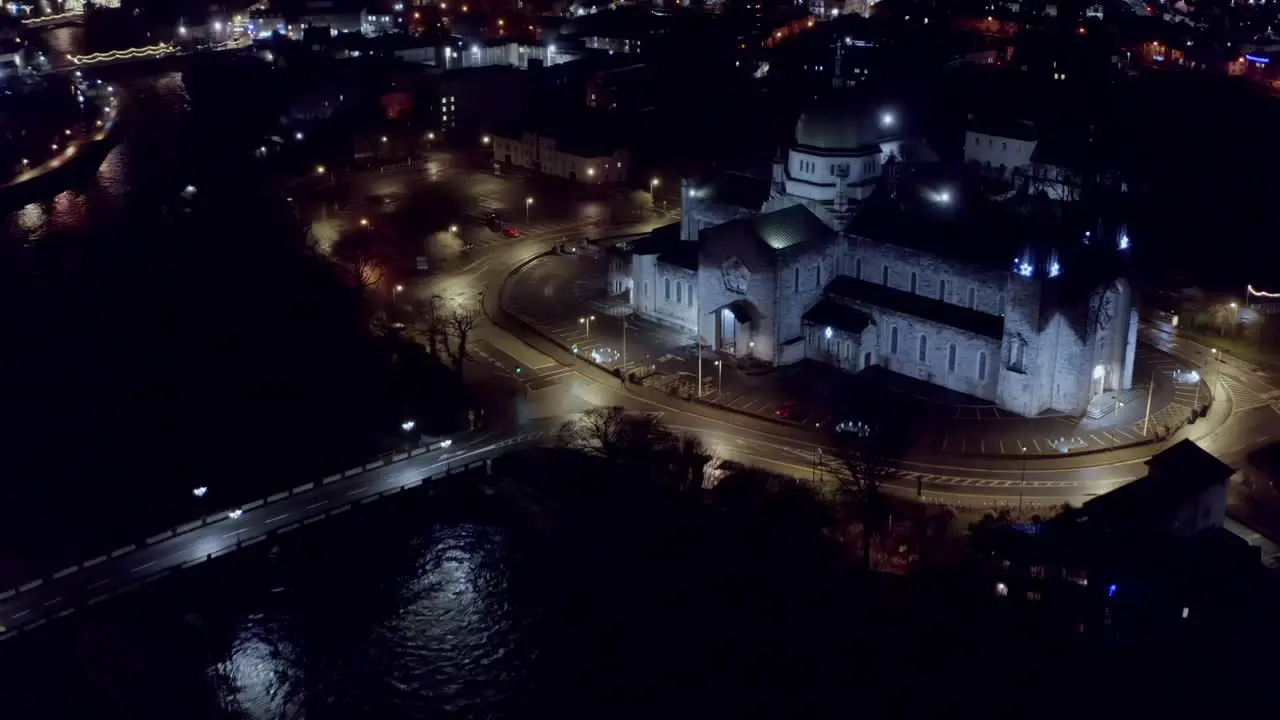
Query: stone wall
x=804, y=270
x=930, y=271
x=935, y=367
x=651, y=280
x=760, y=291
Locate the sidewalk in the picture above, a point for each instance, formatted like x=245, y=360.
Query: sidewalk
x=563, y=298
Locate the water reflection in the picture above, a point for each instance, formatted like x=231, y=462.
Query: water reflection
x=257, y=673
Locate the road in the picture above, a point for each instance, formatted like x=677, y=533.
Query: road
x=556, y=385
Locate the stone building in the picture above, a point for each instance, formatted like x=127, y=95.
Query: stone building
x=862, y=251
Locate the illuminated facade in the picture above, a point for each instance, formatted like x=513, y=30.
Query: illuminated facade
x=854, y=256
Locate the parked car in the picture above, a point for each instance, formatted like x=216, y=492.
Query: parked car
x=511, y=232
x=787, y=411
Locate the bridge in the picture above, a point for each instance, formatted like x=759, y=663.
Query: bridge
x=149, y=52
x=71, y=17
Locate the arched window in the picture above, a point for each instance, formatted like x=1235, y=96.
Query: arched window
x=893, y=340
x=884, y=275
x=982, y=366
x=913, y=282
x=951, y=358
x=922, y=353
x=1017, y=355
x=666, y=284
x=942, y=289
x=679, y=292
x=973, y=298
x=857, y=268
x=1000, y=303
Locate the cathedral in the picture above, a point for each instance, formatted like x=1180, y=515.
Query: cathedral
x=862, y=249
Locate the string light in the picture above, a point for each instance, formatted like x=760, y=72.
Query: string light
x=1260, y=293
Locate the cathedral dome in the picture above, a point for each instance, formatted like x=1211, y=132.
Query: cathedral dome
x=828, y=130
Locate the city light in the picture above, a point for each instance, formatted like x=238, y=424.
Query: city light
x=320, y=170
x=200, y=491
x=235, y=514
x=364, y=222
x=408, y=425
x=453, y=229
x=888, y=120
x=297, y=135
x=591, y=172
x=485, y=140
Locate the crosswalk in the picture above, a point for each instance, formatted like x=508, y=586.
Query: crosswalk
x=1244, y=397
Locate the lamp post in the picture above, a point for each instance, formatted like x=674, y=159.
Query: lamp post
x=653, y=184
x=1023, y=482
x=720, y=376
x=395, y=291
x=528, y=203
x=625, y=319
x=1150, y=389
x=586, y=320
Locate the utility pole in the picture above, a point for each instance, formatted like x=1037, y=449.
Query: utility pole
x=1150, y=389
x=698, y=333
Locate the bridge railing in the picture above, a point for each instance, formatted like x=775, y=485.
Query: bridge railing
x=380, y=461
x=75, y=603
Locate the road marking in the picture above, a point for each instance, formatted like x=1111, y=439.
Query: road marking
x=18, y=615
x=233, y=532
x=99, y=584
x=145, y=565
x=278, y=517
x=357, y=490
x=313, y=506
x=53, y=602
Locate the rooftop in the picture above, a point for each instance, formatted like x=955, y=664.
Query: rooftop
x=908, y=303
x=727, y=188
x=832, y=313
x=1177, y=474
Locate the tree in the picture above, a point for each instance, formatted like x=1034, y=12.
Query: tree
x=861, y=468
x=639, y=444
x=459, y=323
x=432, y=321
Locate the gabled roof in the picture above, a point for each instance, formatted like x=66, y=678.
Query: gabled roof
x=789, y=227
x=908, y=303
x=1178, y=474
x=832, y=313
x=780, y=229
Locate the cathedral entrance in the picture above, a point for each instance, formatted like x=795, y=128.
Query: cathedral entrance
x=732, y=334
x=1099, y=378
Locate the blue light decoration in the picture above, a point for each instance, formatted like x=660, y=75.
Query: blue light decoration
x=1124, y=241
x=1022, y=267
x=1111, y=591
x=1259, y=60
x=1054, y=269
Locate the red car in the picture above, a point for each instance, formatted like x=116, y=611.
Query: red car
x=511, y=232
x=786, y=411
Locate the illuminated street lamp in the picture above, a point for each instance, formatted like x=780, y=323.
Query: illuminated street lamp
x=298, y=135
x=586, y=321
x=453, y=229
x=653, y=183
x=364, y=222
x=431, y=136
x=719, y=376
x=200, y=491
x=888, y=120
x=320, y=170
x=485, y=140
x=408, y=425
x=528, y=202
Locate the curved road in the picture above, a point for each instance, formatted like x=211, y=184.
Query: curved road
x=558, y=385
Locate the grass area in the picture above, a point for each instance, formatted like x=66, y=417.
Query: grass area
x=1247, y=350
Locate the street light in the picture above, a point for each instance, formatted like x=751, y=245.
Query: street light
x=200, y=491
x=396, y=291
x=720, y=376
x=528, y=202
x=485, y=140
x=888, y=120
x=453, y=229
x=431, y=136
x=320, y=170
x=408, y=425
x=234, y=514
x=384, y=138
x=587, y=322
x=364, y=222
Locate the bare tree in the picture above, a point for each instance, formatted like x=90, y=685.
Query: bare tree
x=861, y=467
x=459, y=323
x=365, y=271
x=432, y=321
x=612, y=433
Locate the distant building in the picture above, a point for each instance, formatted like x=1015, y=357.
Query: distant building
x=589, y=160
x=1151, y=554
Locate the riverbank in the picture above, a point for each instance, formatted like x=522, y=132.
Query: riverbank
x=57, y=174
